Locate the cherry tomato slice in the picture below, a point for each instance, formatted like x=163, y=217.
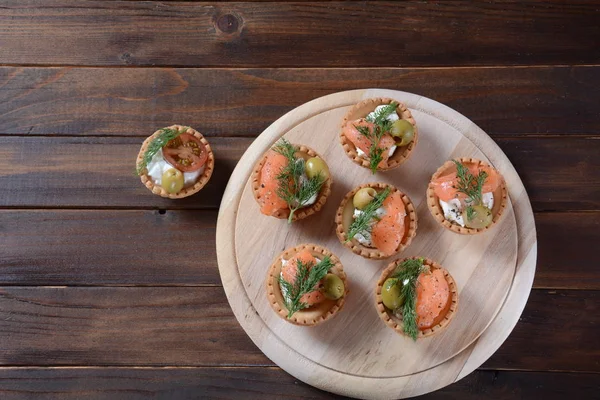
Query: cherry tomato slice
x=186, y=153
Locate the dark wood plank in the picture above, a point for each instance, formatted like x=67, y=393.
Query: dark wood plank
x=86, y=247
x=558, y=174
x=348, y=34
x=98, y=172
x=121, y=326
x=558, y=330
x=567, y=257
x=185, y=326
x=265, y=383
x=243, y=102
x=118, y=247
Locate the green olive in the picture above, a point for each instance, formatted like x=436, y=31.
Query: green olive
x=403, y=132
x=333, y=286
x=315, y=166
x=172, y=180
x=481, y=217
x=363, y=197
x=391, y=294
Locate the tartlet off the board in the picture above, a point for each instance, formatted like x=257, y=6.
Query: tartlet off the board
x=435, y=296
x=297, y=170
x=319, y=302
x=390, y=228
x=175, y=162
x=467, y=196
x=376, y=120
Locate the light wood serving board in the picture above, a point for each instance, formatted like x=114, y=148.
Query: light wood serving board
x=355, y=353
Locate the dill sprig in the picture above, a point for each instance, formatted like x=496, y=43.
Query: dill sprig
x=165, y=135
x=293, y=188
x=361, y=223
x=380, y=127
x=470, y=185
x=306, y=280
x=407, y=274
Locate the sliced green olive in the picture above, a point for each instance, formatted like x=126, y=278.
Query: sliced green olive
x=481, y=217
x=363, y=197
x=172, y=180
x=333, y=286
x=316, y=166
x=391, y=294
x=403, y=132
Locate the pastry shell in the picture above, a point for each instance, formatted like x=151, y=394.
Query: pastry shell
x=433, y=203
x=303, y=212
x=394, y=322
x=318, y=313
x=342, y=222
x=185, y=192
x=361, y=110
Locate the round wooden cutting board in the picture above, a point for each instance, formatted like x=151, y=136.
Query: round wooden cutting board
x=355, y=353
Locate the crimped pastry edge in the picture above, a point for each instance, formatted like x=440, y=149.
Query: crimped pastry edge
x=314, y=315
x=185, y=192
x=393, y=322
x=371, y=253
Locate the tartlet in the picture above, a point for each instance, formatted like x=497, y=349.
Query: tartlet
x=315, y=314
x=344, y=218
x=361, y=110
x=188, y=190
x=394, y=322
x=306, y=153
x=500, y=197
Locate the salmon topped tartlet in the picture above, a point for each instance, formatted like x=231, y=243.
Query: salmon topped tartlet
x=466, y=195
x=376, y=220
x=306, y=285
x=379, y=134
x=175, y=162
x=291, y=182
x=416, y=297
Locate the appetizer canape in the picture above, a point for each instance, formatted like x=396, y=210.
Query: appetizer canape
x=175, y=162
x=416, y=297
x=379, y=134
x=466, y=196
x=306, y=285
x=291, y=181
x=376, y=220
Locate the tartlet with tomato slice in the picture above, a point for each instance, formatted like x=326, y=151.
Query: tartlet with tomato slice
x=175, y=162
x=379, y=133
x=416, y=297
x=291, y=181
x=306, y=285
x=467, y=196
x=376, y=220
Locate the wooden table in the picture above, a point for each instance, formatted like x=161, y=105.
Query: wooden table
x=109, y=291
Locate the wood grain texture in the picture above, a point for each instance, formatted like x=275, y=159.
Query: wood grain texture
x=311, y=367
x=558, y=325
x=87, y=247
x=265, y=383
x=356, y=344
x=195, y=327
x=121, y=326
x=308, y=34
x=99, y=173
x=69, y=247
x=243, y=102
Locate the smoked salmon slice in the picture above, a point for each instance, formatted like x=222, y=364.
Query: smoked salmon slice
x=269, y=201
x=290, y=270
x=433, y=299
x=364, y=143
x=445, y=185
x=387, y=234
